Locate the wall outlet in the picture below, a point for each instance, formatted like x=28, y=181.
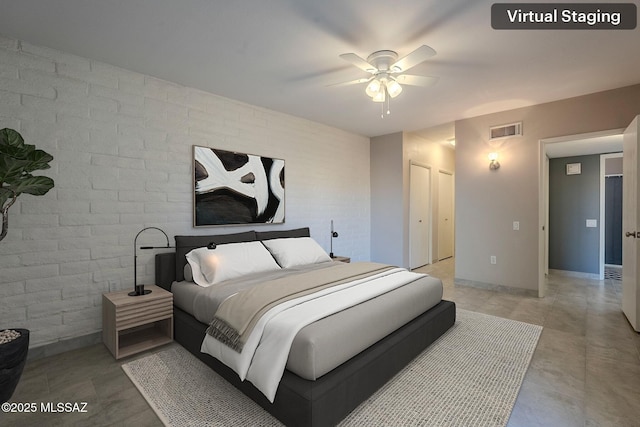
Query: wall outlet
x=516, y=225
x=114, y=285
x=493, y=259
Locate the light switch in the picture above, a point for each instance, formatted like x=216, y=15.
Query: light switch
x=592, y=223
x=516, y=225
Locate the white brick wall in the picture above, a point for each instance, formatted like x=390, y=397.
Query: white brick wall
x=122, y=144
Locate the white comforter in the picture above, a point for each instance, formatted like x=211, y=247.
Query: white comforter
x=264, y=356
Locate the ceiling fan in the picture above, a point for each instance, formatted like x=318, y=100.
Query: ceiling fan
x=387, y=72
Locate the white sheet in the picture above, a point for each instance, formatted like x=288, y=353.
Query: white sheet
x=264, y=356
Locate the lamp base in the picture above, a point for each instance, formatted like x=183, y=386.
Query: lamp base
x=140, y=290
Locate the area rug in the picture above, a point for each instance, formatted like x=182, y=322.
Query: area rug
x=469, y=377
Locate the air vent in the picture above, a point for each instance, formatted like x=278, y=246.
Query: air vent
x=505, y=131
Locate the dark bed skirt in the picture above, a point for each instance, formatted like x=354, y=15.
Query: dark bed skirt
x=332, y=397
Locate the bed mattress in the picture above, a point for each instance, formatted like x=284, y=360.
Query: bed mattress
x=327, y=343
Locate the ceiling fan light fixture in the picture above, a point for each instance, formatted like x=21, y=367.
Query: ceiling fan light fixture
x=373, y=88
x=394, y=88
x=385, y=69
x=380, y=96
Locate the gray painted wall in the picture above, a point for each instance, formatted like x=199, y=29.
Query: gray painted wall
x=387, y=205
x=487, y=202
x=572, y=200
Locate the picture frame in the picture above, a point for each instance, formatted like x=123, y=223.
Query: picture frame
x=234, y=188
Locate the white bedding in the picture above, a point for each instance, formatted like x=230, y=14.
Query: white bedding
x=264, y=356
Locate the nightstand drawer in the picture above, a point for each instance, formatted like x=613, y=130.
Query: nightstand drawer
x=133, y=320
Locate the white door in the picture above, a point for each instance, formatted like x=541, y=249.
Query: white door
x=630, y=216
x=445, y=215
x=419, y=218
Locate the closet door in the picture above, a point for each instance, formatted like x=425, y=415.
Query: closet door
x=419, y=217
x=445, y=215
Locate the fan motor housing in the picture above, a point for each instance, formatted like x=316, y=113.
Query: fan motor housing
x=382, y=59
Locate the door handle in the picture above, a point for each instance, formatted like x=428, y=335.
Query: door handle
x=630, y=234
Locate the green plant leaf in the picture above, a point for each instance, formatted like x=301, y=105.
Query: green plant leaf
x=17, y=161
x=11, y=168
x=36, y=185
x=38, y=159
x=10, y=137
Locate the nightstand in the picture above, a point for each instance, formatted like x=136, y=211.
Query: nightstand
x=134, y=324
x=341, y=258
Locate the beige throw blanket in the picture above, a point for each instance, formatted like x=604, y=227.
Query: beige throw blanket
x=238, y=314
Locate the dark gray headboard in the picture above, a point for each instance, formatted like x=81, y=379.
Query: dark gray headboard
x=282, y=234
x=170, y=266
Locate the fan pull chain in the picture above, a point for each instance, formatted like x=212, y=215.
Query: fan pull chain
x=387, y=100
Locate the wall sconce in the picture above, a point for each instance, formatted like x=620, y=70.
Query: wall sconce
x=139, y=289
x=333, y=234
x=493, y=157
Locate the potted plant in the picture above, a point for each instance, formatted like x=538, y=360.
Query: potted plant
x=14, y=345
x=17, y=161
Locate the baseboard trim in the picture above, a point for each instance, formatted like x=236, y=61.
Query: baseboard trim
x=576, y=274
x=497, y=288
x=63, y=346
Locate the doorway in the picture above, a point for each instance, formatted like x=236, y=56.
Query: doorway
x=611, y=212
x=609, y=141
x=613, y=220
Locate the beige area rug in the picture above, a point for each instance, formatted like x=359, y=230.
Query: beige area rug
x=469, y=377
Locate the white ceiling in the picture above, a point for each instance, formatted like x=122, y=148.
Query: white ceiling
x=283, y=54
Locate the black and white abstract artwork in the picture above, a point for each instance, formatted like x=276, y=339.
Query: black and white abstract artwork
x=237, y=188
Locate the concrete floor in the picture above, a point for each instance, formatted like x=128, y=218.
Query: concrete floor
x=585, y=371
x=586, y=368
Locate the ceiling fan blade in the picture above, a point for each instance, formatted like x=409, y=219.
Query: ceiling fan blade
x=419, y=55
x=352, y=82
x=411, y=80
x=358, y=62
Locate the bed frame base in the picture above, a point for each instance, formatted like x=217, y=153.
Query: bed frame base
x=329, y=399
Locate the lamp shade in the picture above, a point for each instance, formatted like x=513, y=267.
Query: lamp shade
x=380, y=96
x=394, y=88
x=373, y=88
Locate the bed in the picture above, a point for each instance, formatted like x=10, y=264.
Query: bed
x=314, y=391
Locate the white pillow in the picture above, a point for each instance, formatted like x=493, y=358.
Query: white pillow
x=290, y=252
x=188, y=273
x=228, y=261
